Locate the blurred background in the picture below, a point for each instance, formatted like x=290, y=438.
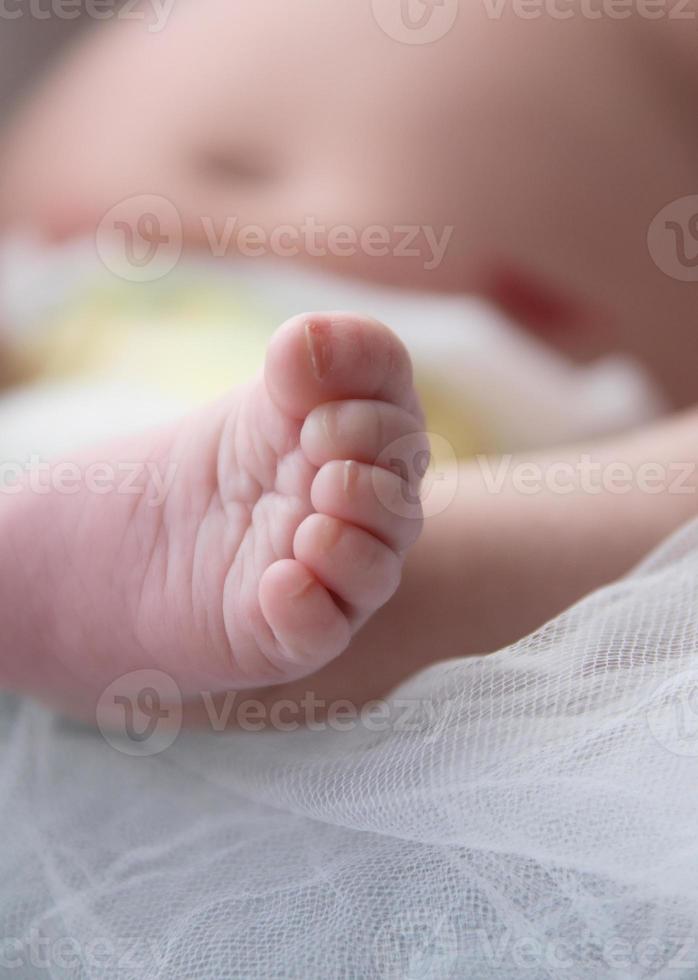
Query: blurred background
x=177, y=177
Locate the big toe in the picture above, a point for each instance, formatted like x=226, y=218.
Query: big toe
x=323, y=357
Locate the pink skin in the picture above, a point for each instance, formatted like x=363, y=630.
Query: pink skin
x=275, y=543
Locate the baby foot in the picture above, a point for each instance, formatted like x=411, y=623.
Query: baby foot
x=283, y=531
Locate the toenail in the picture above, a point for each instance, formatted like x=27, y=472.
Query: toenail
x=303, y=590
x=320, y=349
x=330, y=533
x=351, y=475
x=328, y=421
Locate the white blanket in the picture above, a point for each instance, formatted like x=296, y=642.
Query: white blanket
x=528, y=814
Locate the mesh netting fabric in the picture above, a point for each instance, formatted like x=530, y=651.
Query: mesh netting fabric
x=532, y=813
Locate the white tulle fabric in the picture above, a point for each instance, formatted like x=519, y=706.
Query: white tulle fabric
x=539, y=819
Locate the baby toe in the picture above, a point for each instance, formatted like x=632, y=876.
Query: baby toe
x=309, y=627
x=372, y=498
x=353, y=564
x=366, y=431
x=324, y=357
